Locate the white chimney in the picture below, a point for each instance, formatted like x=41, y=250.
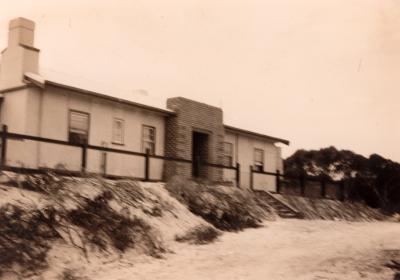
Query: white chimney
x=20, y=56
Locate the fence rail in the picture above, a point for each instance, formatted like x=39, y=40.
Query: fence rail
x=6, y=135
x=283, y=182
x=302, y=184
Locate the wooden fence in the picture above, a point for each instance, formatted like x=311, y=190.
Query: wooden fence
x=307, y=186
x=284, y=183
x=6, y=135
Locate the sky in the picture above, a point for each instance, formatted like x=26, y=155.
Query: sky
x=315, y=72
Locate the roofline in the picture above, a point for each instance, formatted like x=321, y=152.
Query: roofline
x=198, y=102
x=5, y=90
x=248, y=132
x=142, y=106
x=108, y=97
x=23, y=46
x=29, y=47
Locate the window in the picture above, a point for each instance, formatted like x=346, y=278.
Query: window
x=149, y=139
x=228, y=154
x=258, y=160
x=78, y=127
x=118, y=132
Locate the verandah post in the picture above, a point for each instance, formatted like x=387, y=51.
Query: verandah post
x=278, y=181
x=146, y=165
x=4, y=145
x=238, y=174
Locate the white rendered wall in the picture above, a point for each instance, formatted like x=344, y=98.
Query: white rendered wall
x=243, y=153
x=46, y=113
x=57, y=104
x=19, y=111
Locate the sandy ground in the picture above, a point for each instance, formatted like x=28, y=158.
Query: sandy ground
x=285, y=249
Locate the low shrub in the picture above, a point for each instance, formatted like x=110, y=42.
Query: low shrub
x=102, y=225
x=327, y=209
x=87, y=219
x=199, y=235
x=24, y=239
x=226, y=208
x=47, y=183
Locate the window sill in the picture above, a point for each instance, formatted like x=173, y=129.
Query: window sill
x=119, y=144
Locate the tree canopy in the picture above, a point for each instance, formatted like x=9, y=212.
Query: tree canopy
x=375, y=180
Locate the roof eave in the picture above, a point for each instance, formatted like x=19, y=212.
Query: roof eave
x=107, y=97
x=11, y=89
x=41, y=82
x=256, y=134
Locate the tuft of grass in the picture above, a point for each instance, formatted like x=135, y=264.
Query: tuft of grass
x=200, y=235
x=71, y=274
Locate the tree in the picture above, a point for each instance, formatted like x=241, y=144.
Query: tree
x=375, y=180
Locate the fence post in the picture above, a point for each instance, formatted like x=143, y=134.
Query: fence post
x=104, y=164
x=323, y=188
x=146, y=165
x=302, y=185
x=4, y=145
x=278, y=181
x=251, y=178
x=238, y=174
x=84, y=158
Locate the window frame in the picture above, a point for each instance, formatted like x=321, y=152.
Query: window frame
x=72, y=111
x=114, y=141
x=230, y=156
x=258, y=165
x=144, y=126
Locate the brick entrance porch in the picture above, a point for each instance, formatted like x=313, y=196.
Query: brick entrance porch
x=195, y=132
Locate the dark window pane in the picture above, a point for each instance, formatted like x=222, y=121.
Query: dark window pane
x=78, y=127
x=259, y=168
x=148, y=139
x=259, y=160
x=77, y=138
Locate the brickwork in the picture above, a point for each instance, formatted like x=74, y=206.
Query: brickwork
x=192, y=116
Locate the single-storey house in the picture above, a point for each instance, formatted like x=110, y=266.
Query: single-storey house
x=32, y=104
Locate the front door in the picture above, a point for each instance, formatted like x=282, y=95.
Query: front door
x=199, y=154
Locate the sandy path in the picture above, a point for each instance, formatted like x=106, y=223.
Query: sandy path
x=286, y=249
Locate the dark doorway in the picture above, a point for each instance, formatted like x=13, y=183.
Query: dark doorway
x=199, y=154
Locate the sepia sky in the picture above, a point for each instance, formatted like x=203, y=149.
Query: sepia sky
x=315, y=72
